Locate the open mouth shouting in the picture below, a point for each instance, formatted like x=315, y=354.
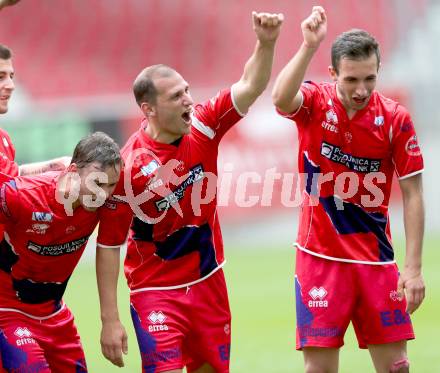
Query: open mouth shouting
x=360, y=100
x=186, y=116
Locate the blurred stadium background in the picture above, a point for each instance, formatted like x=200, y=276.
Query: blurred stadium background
x=75, y=62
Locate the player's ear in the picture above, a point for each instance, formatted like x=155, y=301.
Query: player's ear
x=73, y=167
x=333, y=73
x=147, y=109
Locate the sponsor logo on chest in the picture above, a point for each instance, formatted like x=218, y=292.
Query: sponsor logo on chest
x=359, y=164
x=195, y=174
x=59, y=249
x=331, y=120
x=38, y=228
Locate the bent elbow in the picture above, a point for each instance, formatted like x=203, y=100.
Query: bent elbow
x=279, y=101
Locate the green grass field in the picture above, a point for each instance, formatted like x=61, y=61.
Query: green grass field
x=261, y=293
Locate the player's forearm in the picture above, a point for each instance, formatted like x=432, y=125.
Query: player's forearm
x=40, y=167
x=289, y=81
x=258, y=68
x=32, y=168
x=414, y=220
x=107, y=273
x=255, y=76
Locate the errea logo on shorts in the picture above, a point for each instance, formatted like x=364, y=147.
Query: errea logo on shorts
x=24, y=336
x=157, y=321
x=318, y=295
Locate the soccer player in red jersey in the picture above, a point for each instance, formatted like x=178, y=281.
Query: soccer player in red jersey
x=174, y=261
x=7, y=150
x=351, y=141
x=48, y=219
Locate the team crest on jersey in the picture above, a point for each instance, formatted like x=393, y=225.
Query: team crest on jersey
x=157, y=320
x=42, y=216
x=150, y=168
x=318, y=297
x=412, y=146
x=348, y=137
x=379, y=121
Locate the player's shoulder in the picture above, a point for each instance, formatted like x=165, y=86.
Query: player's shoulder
x=221, y=96
x=5, y=139
x=133, y=142
x=388, y=105
x=324, y=91
x=35, y=183
x=4, y=133
x=319, y=86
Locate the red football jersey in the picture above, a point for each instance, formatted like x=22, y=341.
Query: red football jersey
x=7, y=164
x=42, y=244
x=7, y=155
x=175, y=238
x=361, y=153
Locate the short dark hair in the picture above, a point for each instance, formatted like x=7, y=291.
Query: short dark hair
x=5, y=52
x=354, y=44
x=97, y=147
x=143, y=87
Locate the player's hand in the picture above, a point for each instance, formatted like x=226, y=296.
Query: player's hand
x=4, y=3
x=314, y=27
x=412, y=286
x=267, y=26
x=114, y=342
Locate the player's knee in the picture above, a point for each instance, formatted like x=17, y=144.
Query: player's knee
x=400, y=366
x=314, y=367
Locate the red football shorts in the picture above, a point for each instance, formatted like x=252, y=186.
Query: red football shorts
x=184, y=327
x=40, y=345
x=330, y=294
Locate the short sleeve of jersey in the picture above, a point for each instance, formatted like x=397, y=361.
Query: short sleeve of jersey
x=7, y=155
x=9, y=200
x=215, y=117
x=114, y=219
x=311, y=94
x=406, y=153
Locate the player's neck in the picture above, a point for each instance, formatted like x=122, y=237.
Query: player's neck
x=155, y=133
